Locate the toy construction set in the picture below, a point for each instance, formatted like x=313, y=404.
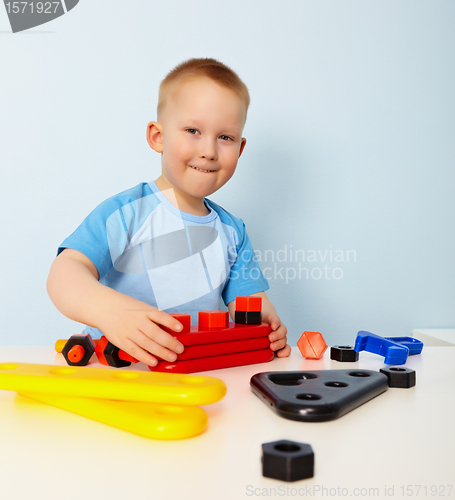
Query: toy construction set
x=165, y=402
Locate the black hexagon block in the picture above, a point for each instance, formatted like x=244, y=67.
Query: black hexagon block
x=86, y=342
x=287, y=460
x=343, y=353
x=400, y=376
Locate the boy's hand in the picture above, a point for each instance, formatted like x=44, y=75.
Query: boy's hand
x=134, y=327
x=128, y=323
x=278, y=339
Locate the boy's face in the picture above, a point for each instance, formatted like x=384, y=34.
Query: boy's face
x=201, y=136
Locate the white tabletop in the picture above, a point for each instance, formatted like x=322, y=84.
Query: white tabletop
x=440, y=337
x=399, y=443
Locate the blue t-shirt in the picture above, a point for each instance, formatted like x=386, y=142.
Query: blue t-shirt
x=143, y=246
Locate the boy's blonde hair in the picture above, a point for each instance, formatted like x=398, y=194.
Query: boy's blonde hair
x=210, y=68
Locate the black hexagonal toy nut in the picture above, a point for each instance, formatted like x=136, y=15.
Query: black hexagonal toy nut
x=344, y=353
x=111, y=353
x=287, y=460
x=86, y=342
x=400, y=376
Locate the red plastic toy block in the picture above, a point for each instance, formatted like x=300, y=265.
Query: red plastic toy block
x=215, y=362
x=312, y=345
x=218, y=348
x=126, y=357
x=248, y=304
x=213, y=319
x=185, y=319
x=232, y=332
x=99, y=350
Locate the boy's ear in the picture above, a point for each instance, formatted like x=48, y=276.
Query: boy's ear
x=242, y=146
x=155, y=136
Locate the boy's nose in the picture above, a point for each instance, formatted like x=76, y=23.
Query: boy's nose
x=208, y=151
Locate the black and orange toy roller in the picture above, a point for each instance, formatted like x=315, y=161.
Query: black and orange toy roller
x=77, y=350
x=110, y=355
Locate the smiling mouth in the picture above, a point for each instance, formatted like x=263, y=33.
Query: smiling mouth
x=202, y=170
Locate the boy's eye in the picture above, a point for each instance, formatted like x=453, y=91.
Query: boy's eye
x=225, y=138
x=192, y=130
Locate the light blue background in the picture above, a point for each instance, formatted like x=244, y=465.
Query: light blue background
x=351, y=146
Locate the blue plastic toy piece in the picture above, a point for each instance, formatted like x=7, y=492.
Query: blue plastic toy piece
x=415, y=346
x=394, y=353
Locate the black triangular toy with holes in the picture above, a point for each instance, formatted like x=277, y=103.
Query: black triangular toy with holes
x=317, y=396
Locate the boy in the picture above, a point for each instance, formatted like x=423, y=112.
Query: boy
x=163, y=245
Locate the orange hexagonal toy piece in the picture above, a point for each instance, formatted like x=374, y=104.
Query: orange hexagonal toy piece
x=312, y=345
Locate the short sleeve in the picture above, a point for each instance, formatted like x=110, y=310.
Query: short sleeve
x=106, y=231
x=246, y=276
x=90, y=238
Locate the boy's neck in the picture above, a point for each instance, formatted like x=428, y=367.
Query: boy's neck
x=185, y=203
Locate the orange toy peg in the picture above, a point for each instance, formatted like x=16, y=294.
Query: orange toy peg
x=213, y=319
x=248, y=310
x=60, y=344
x=76, y=353
x=248, y=304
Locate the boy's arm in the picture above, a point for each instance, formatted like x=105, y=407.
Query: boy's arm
x=278, y=339
x=128, y=323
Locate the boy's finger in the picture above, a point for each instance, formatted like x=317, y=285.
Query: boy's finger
x=155, y=334
x=273, y=320
x=278, y=334
x=146, y=350
x=284, y=352
x=163, y=318
x=279, y=344
x=140, y=354
x=157, y=349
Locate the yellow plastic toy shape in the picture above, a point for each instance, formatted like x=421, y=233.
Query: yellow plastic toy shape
x=145, y=419
x=104, y=383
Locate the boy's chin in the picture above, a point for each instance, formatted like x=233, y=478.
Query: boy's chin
x=202, y=189
x=201, y=193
